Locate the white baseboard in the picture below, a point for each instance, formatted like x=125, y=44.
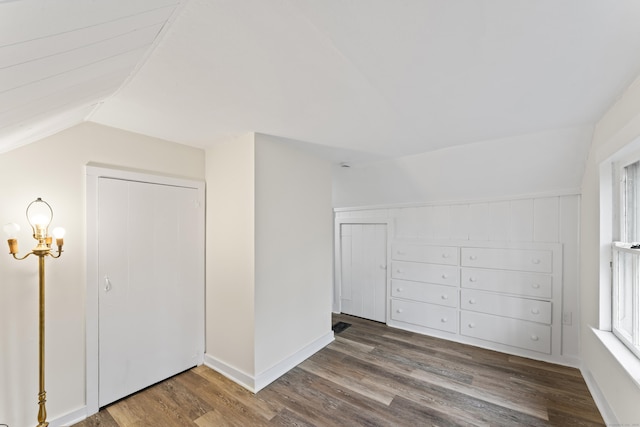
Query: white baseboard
x=69, y=419
x=263, y=379
x=270, y=375
x=234, y=374
x=602, y=404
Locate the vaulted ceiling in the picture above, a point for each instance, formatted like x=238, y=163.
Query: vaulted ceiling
x=390, y=77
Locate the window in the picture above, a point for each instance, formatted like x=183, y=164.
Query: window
x=626, y=260
x=630, y=196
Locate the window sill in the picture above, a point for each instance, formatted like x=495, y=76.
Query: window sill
x=626, y=359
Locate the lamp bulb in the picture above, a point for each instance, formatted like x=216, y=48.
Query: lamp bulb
x=58, y=232
x=39, y=219
x=11, y=230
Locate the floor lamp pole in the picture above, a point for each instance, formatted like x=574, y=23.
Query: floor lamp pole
x=42, y=395
x=39, y=222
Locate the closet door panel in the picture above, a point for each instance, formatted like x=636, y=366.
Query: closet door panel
x=113, y=290
x=149, y=322
x=364, y=271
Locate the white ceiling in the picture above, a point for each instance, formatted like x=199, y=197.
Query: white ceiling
x=390, y=77
x=59, y=59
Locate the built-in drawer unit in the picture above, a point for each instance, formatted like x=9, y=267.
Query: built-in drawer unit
x=509, y=282
x=426, y=315
x=507, y=306
x=508, y=259
x=512, y=332
x=425, y=292
x=447, y=255
x=501, y=295
x=430, y=273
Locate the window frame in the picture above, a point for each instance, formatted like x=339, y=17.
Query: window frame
x=622, y=255
x=620, y=230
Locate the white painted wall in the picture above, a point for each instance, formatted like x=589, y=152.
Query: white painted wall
x=548, y=162
x=294, y=238
x=230, y=261
x=269, y=257
x=617, y=130
x=53, y=168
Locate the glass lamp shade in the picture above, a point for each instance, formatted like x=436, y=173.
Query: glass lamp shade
x=59, y=233
x=11, y=230
x=39, y=215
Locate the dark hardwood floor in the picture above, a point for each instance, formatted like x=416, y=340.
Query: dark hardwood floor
x=372, y=375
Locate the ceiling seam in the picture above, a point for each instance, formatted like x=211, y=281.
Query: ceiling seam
x=158, y=39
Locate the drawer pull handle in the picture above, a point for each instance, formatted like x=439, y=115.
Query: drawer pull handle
x=400, y=270
x=399, y=310
x=472, y=325
x=534, y=338
x=535, y=261
x=443, y=320
x=473, y=279
x=535, y=286
x=445, y=255
x=444, y=276
x=399, y=289
x=445, y=297
x=473, y=257
x=401, y=252
x=472, y=301
x=535, y=311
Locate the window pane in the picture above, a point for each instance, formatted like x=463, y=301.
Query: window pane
x=632, y=197
x=623, y=305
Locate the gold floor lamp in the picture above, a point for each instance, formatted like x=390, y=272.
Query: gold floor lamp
x=39, y=216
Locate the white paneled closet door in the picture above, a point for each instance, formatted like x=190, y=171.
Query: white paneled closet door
x=363, y=249
x=151, y=296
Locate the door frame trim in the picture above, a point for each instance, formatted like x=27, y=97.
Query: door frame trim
x=93, y=172
x=337, y=251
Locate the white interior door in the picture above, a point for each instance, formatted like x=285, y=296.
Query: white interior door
x=151, y=296
x=363, y=251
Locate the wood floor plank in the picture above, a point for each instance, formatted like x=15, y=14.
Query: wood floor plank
x=229, y=406
x=526, y=406
x=216, y=418
x=341, y=400
x=349, y=346
x=372, y=375
x=316, y=404
x=182, y=390
x=350, y=379
x=441, y=394
x=147, y=410
x=177, y=403
x=288, y=418
x=267, y=409
x=101, y=419
x=558, y=369
x=453, y=381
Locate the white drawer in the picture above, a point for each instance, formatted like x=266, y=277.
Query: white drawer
x=502, y=305
x=510, y=282
x=427, y=315
x=512, y=332
x=447, y=255
x=508, y=259
x=431, y=273
x=425, y=292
